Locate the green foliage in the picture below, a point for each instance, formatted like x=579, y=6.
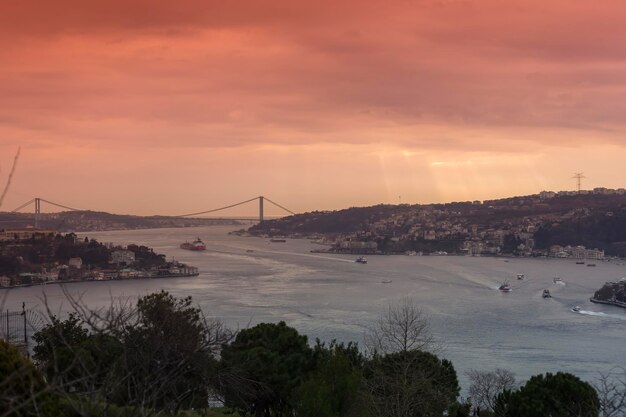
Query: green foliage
x=155, y=357
x=334, y=387
x=267, y=363
x=145, y=257
x=556, y=395
x=412, y=383
x=58, y=351
x=166, y=358
x=23, y=392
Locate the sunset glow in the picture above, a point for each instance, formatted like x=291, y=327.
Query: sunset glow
x=149, y=107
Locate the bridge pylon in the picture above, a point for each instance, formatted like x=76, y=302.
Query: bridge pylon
x=37, y=212
x=261, y=209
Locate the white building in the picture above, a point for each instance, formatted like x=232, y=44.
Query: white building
x=75, y=262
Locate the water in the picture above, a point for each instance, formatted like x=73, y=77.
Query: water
x=332, y=297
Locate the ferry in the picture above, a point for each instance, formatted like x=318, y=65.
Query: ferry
x=505, y=287
x=361, y=260
x=546, y=294
x=196, y=245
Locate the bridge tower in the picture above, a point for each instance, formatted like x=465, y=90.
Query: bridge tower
x=260, y=209
x=37, y=212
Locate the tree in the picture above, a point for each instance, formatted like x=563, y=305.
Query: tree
x=23, y=392
x=263, y=366
x=157, y=355
x=57, y=350
x=611, y=389
x=555, y=395
x=412, y=384
x=487, y=385
x=334, y=388
x=168, y=354
x=402, y=327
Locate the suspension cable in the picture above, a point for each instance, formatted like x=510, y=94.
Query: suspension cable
x=22, y=206
x=278, y=205
x=60, y=205
x=217, y=209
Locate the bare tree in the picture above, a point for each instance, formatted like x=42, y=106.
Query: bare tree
x=402, y=327
x=487, y=385
x=611, y=388
x=10, y=177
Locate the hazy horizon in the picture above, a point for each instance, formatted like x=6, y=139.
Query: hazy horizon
x=177, y=107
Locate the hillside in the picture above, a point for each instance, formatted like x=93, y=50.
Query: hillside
x=528, y=225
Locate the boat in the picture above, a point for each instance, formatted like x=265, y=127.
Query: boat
x=196, y=245
x=361, y=260
x=546, y=294
x=520, y=276
x=505, y=287
x=278, y=240
x=591, y=264
x=557, y=280
x=576, y=309
x=249, y=251
x=580, y=262
x=386, y=281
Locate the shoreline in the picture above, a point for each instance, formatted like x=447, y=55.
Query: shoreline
x=611, y=303
x=58, y=282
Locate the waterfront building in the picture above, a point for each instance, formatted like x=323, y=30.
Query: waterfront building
x=24, y=234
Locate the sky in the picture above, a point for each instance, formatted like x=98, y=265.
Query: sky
x=172, y=107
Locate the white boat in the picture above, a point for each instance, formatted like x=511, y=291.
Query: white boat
x=505, y=287
x=576, y=309
x=557, y=280
x=386, y=281
x=361, y=260
x=520, y=276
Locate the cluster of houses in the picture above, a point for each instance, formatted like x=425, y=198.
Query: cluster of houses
x=477, y=233
x=121, y=265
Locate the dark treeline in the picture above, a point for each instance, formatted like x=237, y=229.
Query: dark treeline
x=162, y=356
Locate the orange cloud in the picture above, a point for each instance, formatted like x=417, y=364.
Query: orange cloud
x=441, y=80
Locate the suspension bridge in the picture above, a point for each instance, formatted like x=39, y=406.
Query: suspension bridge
x=36, y=202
